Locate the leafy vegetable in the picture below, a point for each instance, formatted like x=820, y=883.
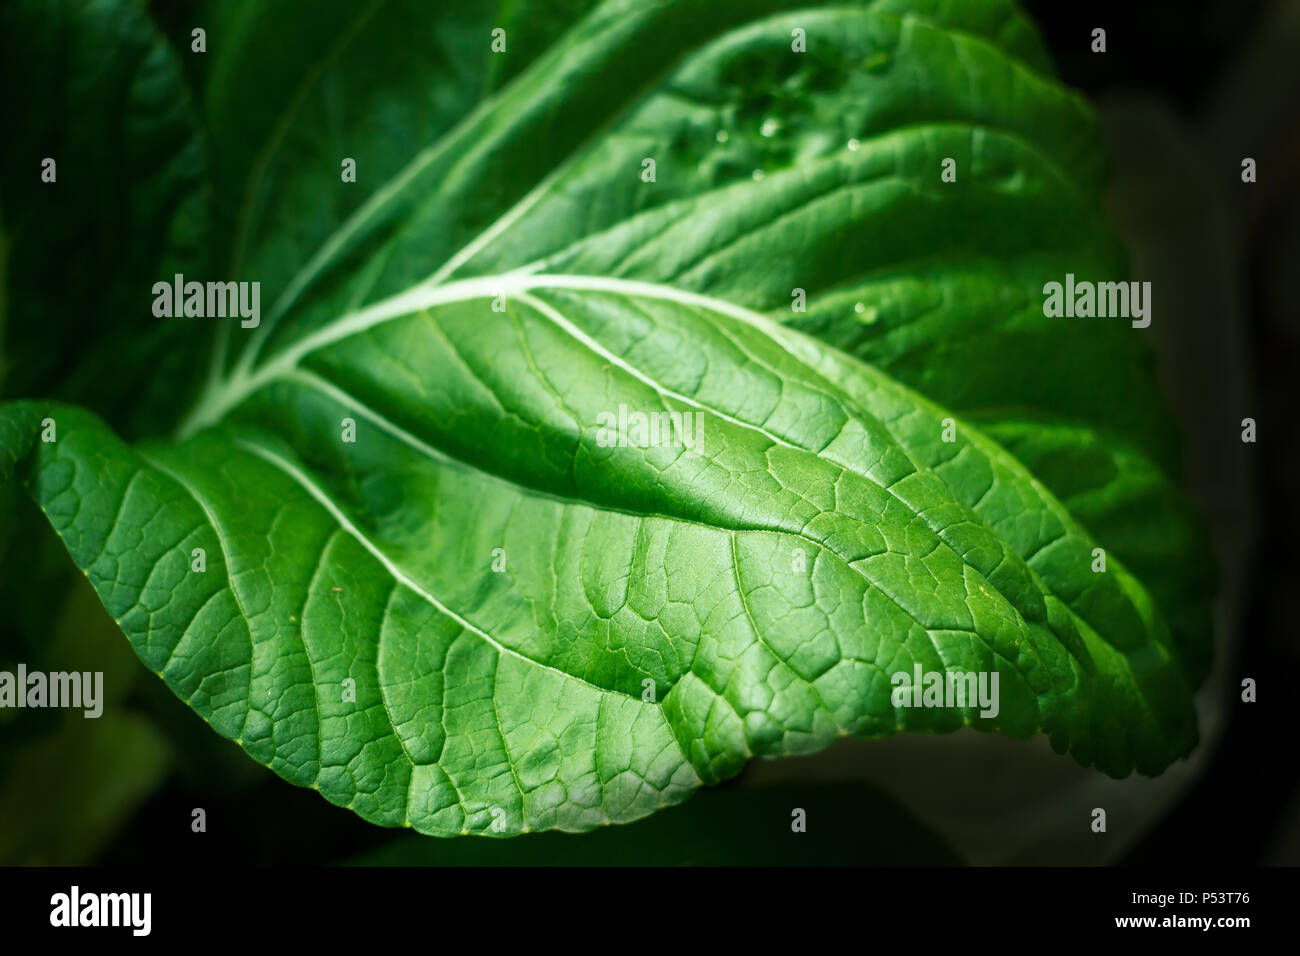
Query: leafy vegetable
x=482, y=616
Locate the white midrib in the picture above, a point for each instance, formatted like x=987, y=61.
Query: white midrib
x=305, y=481
x=427, y=295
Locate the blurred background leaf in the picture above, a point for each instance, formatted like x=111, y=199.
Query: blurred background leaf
x=102, y=94
x=68, y=782
x=65, y=794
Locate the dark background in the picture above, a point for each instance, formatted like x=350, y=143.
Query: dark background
x=1195, y=56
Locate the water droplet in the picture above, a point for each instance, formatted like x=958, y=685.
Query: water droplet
x=853, y=145
x=877, y=62
x=769, y=127
x=758, y=175
x=859, y=308
x=721, y=136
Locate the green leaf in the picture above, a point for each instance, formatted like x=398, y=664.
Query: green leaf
x=935, y=282
x=280, y=155
x=483, y=617
x=522, y=690
x=1130, y=505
